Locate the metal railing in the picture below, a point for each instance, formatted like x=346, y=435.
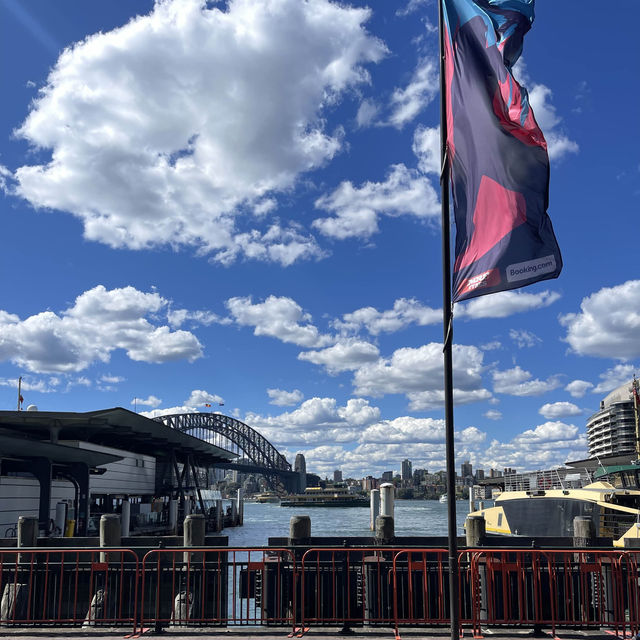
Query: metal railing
x=301, y=587
x=66, y=587
x=218, y=587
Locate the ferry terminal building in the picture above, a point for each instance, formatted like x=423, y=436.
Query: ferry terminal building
x=94, y=461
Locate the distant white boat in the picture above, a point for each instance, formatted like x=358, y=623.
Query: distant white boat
x=443, y=498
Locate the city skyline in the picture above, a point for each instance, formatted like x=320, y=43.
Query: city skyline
x=234, y=206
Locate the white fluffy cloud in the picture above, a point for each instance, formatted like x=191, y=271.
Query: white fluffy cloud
x=199, y=398
x=548, y=432
x=282, y=398
x=404, y=313
x=317, y=420
x=552, y=411
x=505, y=303
x=407, y=103
x=608, y=323
x=614, y=377
x=524, y=338
x=578, y=388
x=178, y=317
x=347, y=354
x=280, y=318
x=99, y=322
x=493, y=414
x=426, y=147
x=357, y=209
x=518, y=382
x=411, y=370
x=150, y=401
x=162, y=130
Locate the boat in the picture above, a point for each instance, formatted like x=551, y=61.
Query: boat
x=443, y=498
x=332, y=496
x=545, y=503
x=267, y=497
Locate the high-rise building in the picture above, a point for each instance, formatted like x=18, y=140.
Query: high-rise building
x=300, y=465
x=406, y=470
x=612, y=429
x=387, y=476
x=466, y=469
x=337, y=475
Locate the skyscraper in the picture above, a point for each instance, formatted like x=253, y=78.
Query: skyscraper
x=612, y=430
x=300, y=466
x=406, y=470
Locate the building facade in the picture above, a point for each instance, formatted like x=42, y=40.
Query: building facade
x=406, y=473
x=612, y=429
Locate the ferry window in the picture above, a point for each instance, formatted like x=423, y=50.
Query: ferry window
x=499, y=519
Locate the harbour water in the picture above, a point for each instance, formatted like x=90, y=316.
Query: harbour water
x=412, y=518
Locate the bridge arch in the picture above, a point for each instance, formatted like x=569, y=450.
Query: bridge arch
x=205, y=425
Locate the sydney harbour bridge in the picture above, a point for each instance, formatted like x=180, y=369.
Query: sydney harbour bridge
x=254, y=452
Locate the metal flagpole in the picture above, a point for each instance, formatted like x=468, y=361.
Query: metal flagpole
x=19, y=393
x=447, y=317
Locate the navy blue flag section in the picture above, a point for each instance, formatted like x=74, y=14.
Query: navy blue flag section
x=497, y=153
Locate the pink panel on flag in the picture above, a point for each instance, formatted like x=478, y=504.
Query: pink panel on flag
x=498, y=212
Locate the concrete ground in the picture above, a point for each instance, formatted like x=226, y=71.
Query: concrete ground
x=317, y=633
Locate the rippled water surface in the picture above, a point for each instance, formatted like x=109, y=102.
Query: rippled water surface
x=412, y=518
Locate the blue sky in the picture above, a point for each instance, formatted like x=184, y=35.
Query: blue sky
x=237, y=202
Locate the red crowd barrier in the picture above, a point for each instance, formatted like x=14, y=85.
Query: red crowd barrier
x=55, y=587
x=218, y=587
x=337, y=586
x=535, y=588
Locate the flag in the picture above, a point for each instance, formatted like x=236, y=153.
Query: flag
x=497, y=153
x=221, y=404
x=206, y=404
x=20, y=399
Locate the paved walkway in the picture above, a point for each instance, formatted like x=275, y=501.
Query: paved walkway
x=317, y=633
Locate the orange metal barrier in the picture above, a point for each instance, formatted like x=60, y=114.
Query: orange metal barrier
x=299, y=587
x=421, y=588
x=218, y=587
x=68, y=587
x=527, y=587
x=346, y=586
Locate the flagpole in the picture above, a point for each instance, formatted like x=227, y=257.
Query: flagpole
x=447, y=321
x=19, y=393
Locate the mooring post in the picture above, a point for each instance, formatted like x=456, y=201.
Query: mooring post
x=476, y=528
x=234, y=512
x=384, y=529
x=173, y=516
x=374, y=508
x=193, y=536
x=240, y=506
x=299, y=530
x=125, y=519
x=61, y=519
x=27, y=535
x=15, y=594
x=583, y=532
x=386, y=499
x=110, y=535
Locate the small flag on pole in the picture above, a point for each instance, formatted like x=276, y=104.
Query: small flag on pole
x=221, y=404
x=497, y=152
x=206, y=404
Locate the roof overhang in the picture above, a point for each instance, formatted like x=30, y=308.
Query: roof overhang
x=118, y=428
